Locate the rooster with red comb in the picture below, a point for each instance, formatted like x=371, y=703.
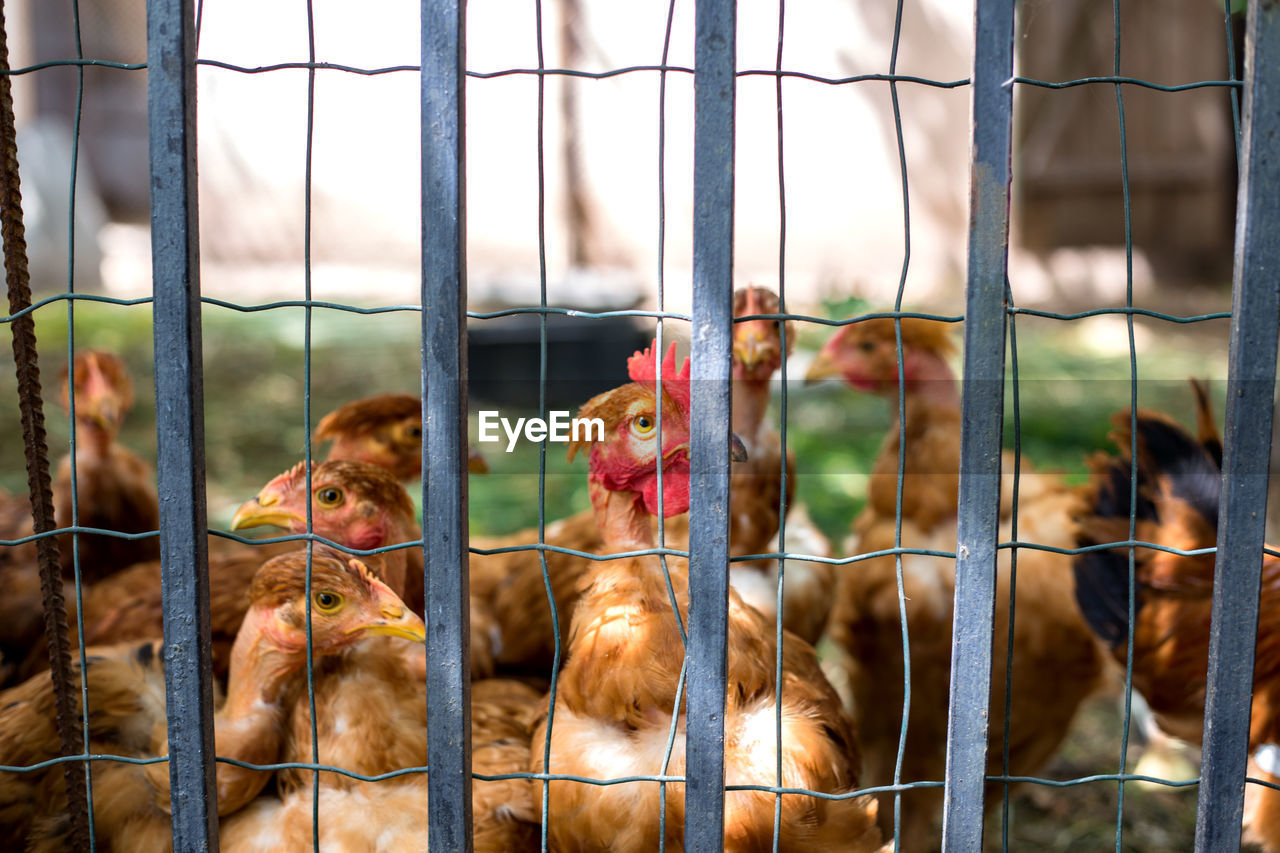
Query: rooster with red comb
x=620, y=686
x=627, y=464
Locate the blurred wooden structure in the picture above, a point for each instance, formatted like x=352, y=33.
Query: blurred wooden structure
x=1181, y=162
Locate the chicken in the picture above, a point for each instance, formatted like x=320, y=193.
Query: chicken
x=114, y=491
x=127, y=706
x=386, y=430
x=361, y=506
x=1178, y=480
x=115, y=488
x=21, y=601
x=370, y=703
x=1056, y=662
x=755, y=488
x=511, y=581
x=354, y=505
x=619, y=688
x=371, y=720
x=362, y=503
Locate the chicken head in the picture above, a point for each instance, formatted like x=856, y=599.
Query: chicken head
x=383, y=430
x=865, y=354
x=356, y=504
x=348, y=602
x=103, y=392
x=757, y=344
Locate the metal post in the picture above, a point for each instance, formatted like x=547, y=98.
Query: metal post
x=444, y=392
x=715, y=55
x=1247, y=444
x=175, y=254
x=982, y=411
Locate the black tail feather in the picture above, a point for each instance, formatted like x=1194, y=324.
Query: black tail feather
x=1168, y=455
x=1102, y=591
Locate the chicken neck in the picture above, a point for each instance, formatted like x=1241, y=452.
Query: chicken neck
x=399, y=564
x=929, y=379
x=931, y=436
x=750, y=403
x=265, y=661
x=392, y=567
x=624, y=523
x=92, y=441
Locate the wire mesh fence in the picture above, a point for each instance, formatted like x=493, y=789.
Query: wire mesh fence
x=706, y=756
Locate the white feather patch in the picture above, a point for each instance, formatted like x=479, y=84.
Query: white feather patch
x=1267, y=757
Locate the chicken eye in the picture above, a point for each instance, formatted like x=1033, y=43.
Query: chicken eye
x=867, y=347
x=327, y=602
x=411, y=431
x=329, y=496
x=642, y=425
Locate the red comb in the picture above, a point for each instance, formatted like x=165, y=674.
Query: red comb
x=643, y=368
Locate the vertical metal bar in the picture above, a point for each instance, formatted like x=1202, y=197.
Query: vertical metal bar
x=1247, y=444
x=982, y=410
x=175, y=260
x=715, y=57
x=444, y=465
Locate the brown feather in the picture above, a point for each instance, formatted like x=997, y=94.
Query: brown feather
x=127, y=713
x=370, y=719
x=129, y=605
x=616, y=700
x=115, y=489
x=385, y=430
x=511, y=587
x=1171, y=631
x=1056, y=661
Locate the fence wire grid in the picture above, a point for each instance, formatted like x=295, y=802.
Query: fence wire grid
x=990, y=321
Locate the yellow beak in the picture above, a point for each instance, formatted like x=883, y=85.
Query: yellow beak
x=397, y=621
x=264, y=512
x=823, y=367
x=750, y=350
x=101, y=413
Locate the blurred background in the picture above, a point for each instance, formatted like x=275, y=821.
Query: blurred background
x=585, y=188
x=604, y=177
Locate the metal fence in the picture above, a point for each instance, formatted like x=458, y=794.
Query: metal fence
x=990, y=321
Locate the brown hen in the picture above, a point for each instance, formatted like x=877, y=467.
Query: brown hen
x=127, y=707
x=1178, y=479
x=370, y=703
x=385, y=430
x=618, y=690
x=755, y=486
x=1056, y=662
x=361, y=506
x=354, y=505
x=114, y=490
x=511, y=583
